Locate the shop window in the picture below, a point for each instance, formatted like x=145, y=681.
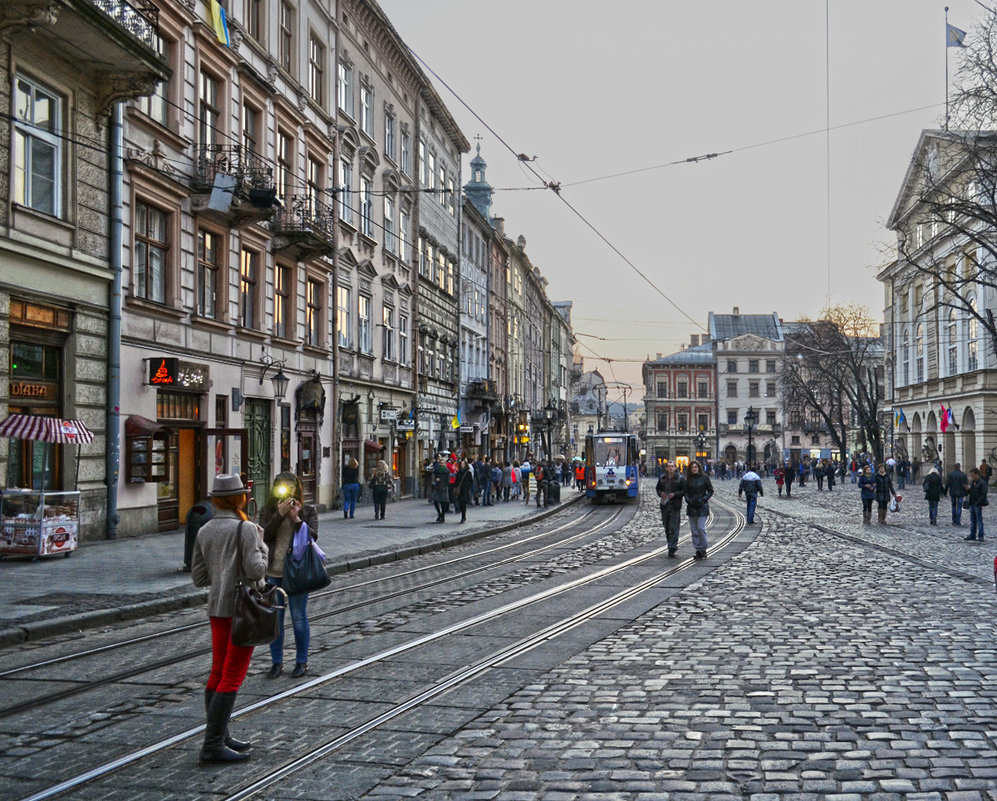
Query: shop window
x=147, y=451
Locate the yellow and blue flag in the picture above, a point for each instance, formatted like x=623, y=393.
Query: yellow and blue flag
x=220, y=23
x=954, y=36
x=457, y=422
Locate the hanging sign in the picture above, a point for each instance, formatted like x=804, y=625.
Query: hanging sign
x=405, y=425
x=163, y=371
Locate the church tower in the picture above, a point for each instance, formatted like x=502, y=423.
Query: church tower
x=478, y=190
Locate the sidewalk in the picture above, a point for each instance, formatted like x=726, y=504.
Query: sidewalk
x=113, y=580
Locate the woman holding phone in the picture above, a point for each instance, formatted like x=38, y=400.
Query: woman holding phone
x=282, y=517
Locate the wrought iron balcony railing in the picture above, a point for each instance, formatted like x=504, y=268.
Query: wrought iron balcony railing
x=140, y=19
x=304, y=214
x=248, y=168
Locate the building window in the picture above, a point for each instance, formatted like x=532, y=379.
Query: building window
x=732, y=365
x=343, y=319
x=250, y=129
x=662, y=389
x=346, y=196
x=209, y=111
x=703, y=389
x=752, y=365
x=770, y=365
x=662, y=421
x=429, y=181
x=905, y=347
x=37, y=147
x=442, y=185
x=683, y=421
x=451, y=196
x=367, y=109
x=315, y=182
x=364, y=330
x=972, y=344
x=752, y=389
x=388, y=343
x=285, y=164
x=316, y=70
x=156, y=105
x=703, y=421
x=366, y=206
x=389, y=224
x=770, y=417
x=283, y=296
x=732, y=417
x=953, y=349
x=254, y=19
x=344, y=91
x=919, y=351
x=390, y=134
x=403, y=340
x=285, y=36
x=732, y=389
x=313, y=313
x=208, y=256
x=151, y=248
x=406, y=157
x=770, y=389
x=682, y=389
x=249, y=269
x=403, y=233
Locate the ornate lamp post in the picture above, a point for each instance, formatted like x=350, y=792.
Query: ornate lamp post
x=750, y=418
x=549, y=411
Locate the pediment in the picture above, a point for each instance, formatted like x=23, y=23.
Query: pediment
x=389, y=281
x=347, y=258
x=749, y=342
x=366, y=269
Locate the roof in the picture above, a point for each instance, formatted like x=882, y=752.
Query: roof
x=697, y=354
x=729, y=326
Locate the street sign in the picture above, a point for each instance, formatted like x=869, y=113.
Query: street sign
x=405, y=425
x=387, y=415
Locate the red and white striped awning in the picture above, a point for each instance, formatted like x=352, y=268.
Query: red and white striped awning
x=45, y=429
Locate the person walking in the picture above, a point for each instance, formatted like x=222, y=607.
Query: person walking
x=867, y=489
x=956, y=486
x=671, y=491
x=933, y=489
x=463, y=489
x=884, y=491
x=819, y=472
x=517, y=480
x=506, y=481
x=698, y=491
x=977, y=500
x=829, y=475
x=441, y=489
x=791, y=471
x=351, y=486
x=780, y=478
x=282, y=518
x=986, y=471
x=525, y=468
x=381, y=483
x=229, y=548
x=751, y=488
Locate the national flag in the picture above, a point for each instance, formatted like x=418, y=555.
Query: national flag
x=951, y=416
x=456, y=422
x=944, y=423
x=954, y=36
x=220, y=23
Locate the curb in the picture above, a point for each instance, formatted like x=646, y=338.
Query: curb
x=41, y=629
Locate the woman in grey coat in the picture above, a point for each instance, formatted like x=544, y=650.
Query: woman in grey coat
x=229, y=549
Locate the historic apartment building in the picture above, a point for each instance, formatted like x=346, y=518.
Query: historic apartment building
x=58, y=256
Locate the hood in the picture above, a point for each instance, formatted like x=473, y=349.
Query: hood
x=751, y=475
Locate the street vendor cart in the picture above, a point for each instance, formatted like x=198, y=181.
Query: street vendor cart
x=36, y=521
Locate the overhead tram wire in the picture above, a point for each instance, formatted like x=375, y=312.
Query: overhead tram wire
x=555, y=187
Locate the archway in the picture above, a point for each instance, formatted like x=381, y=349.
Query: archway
x=730, y=454
x=968, y=431
x=916, y=441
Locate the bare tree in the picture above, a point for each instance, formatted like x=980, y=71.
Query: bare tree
x=834, y=375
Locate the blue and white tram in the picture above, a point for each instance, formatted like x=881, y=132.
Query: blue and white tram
x=611, y=466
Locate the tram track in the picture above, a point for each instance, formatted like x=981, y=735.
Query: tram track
x=174, y=659
x=453, y=679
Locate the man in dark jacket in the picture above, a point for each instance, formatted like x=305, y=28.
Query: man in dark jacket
x=977, y=500
x=751, y=488
x=956, y=485
x=671, y=490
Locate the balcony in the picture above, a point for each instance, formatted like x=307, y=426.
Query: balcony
x=232, y=186
x=303, y=230
x=113, y=41
x=482, y=392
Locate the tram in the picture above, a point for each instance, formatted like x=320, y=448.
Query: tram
x=611, y=466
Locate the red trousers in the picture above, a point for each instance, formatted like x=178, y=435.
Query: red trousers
x=229, y=663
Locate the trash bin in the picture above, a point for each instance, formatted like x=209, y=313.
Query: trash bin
x=199, y=514
x=553, y=492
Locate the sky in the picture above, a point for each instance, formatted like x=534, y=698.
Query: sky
x=813, y=107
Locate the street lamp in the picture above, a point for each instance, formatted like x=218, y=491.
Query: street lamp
x=749, y=420
x=549, y=411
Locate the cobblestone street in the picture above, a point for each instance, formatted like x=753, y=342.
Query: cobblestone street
x=811, y=666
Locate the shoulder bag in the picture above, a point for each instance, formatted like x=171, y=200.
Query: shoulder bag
x=255, y=620
x=305, y=574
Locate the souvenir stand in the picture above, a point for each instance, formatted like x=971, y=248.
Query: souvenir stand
x=39, y=522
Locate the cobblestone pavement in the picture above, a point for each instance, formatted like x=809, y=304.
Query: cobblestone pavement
x=811, y=666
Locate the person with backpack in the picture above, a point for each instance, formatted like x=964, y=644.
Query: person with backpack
x=977, y=500
x=751, y=488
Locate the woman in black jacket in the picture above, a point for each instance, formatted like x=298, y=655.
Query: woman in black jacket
x=932, y=494
x=463, y=488
x=698, y=491
x=977, y=500
x=884, y=491
x=282, y=517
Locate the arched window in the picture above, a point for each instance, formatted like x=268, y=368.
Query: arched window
x=905, y=351
x=972, y=339
x=919, y=351
x=953, y=344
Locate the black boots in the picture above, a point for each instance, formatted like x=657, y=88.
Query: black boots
x=230, y=741
x=215, y=749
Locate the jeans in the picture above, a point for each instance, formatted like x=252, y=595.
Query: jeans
x=697, y=525
x=752, y=503
x=350, y=494
x=486, y=494
x=671, y=519
x=957, y=510
x=976, y=522
x=298, y=605
x=933, y=511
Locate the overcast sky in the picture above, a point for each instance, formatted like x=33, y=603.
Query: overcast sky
x=790, y=217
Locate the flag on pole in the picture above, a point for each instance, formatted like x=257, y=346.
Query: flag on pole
x=944, y=422
x=954, y=36
x=220, y=23
x=456, y=422
x=952, y=421
x=900, y=419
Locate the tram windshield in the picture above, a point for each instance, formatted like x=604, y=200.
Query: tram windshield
x=609, y=451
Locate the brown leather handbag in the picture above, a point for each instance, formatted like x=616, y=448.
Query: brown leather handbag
x=256, y=620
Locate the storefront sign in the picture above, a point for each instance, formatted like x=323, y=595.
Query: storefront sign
x=163, y=372
x=32, y=389
x=466, y=429
x=405, y=425
x=171, y=372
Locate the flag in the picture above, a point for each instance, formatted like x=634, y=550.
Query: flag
x=900, y=419
x=951, y=416
x=220, y=22
x=954, y=36
x=944, y=423
x=903, y=419
x=456, y=422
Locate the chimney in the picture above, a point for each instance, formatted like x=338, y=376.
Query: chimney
x=499, y=225
x=694, y=339
x=737, y=311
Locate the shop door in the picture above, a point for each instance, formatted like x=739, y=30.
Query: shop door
x=259, y=435
x=178, y=493
x=307, y=470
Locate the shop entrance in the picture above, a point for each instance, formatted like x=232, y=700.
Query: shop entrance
x=307, y=471
x=259, y=434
